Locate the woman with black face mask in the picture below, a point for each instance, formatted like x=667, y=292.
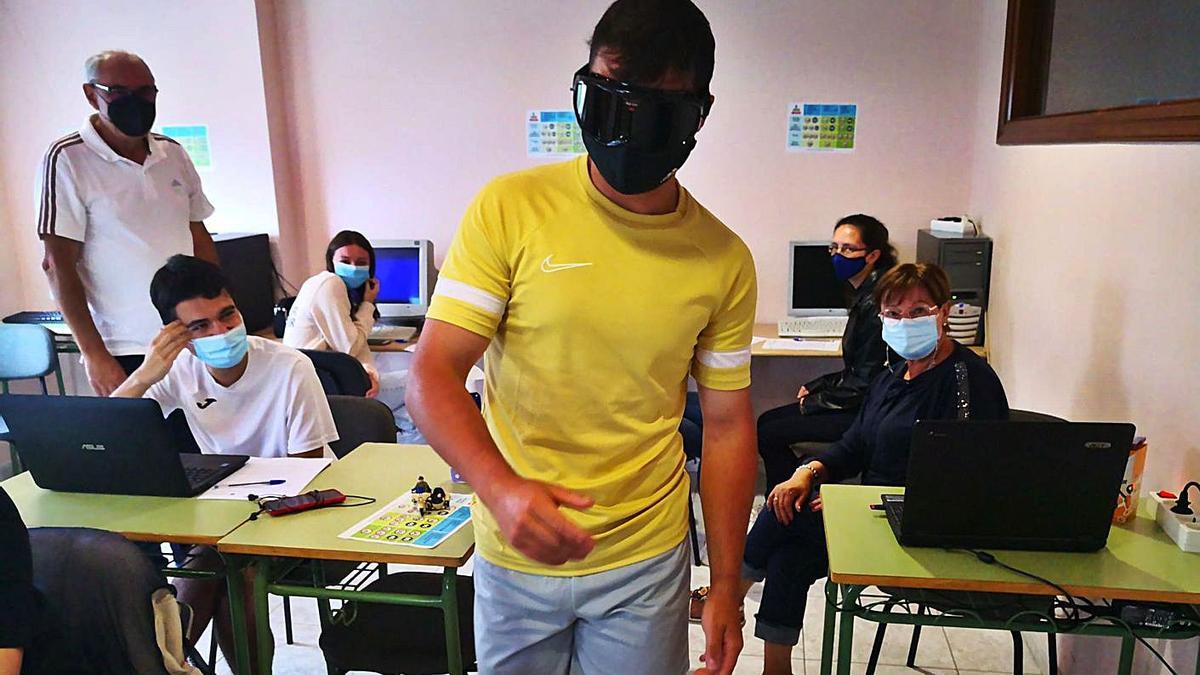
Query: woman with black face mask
x=827, y=405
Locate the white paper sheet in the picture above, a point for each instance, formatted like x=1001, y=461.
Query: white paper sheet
x=296, y=472
x=803, y=345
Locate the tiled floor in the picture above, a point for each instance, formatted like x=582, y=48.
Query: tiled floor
x=941, y=650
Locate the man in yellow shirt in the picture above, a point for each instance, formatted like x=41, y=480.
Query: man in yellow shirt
x=595, y=287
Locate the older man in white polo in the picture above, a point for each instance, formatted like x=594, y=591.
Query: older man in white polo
x=116, y=201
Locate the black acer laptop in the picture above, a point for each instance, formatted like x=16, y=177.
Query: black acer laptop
x=1036, y=486
x=118, y=446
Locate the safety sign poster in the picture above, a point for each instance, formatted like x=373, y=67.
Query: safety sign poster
x=552, y=133
x=821, y=127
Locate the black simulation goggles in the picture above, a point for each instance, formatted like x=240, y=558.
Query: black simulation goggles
x=619, y=113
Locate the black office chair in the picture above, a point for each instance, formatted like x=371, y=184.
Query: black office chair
x=373, y=643
x=340, y=374
x=101, y=593
x=358, y=420
x=993, y=602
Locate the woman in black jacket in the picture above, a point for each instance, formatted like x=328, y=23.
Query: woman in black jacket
x=937, y=379
x=827, y=405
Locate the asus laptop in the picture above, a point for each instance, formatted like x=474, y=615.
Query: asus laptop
x=1037, y=486
x=118, y=446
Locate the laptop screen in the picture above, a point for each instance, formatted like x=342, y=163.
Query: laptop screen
x=814, y=285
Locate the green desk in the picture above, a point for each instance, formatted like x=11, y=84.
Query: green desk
x=151, y=519
x=380, y=470
x=1139, y=563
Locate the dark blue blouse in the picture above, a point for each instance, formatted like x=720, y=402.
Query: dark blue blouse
x=877, y=444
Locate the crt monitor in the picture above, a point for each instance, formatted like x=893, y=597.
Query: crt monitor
x=404, y=268
x=815, y=289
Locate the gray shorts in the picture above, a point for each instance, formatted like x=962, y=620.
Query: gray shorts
x=630, y=620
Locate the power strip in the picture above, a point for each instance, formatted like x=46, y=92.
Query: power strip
x=1183, y=530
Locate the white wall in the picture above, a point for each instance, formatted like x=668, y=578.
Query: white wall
x=205, y=57
x=1096, y=292
x=402, y=111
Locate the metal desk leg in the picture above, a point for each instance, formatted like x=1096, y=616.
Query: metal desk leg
x=450, y=609
x=1125, y=667
x=827, y=631
x=234, y=568
x=846, y=630
x=262, y=616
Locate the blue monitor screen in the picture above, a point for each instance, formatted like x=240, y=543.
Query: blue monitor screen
x=399, y=274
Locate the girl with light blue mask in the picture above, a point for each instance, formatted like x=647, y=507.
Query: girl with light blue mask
x=335, y=309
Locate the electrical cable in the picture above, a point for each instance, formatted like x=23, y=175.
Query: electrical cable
x=1072, y=606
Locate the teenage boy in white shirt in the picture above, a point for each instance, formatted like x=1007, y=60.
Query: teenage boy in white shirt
x=241, y=395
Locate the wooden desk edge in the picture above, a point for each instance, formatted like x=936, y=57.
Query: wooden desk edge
x=1028, y=588
x=350, y=556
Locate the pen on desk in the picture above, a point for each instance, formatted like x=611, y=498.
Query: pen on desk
x=273, y=481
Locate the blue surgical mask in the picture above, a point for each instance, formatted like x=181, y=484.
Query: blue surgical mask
x=845, y=268
x=912, y=339
x=222, y=351
x=353, y=275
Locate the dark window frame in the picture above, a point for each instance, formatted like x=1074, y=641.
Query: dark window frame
x=1023, y=89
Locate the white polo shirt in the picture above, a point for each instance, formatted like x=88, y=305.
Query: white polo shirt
x=320, y=319
x=130, y=217
x=276, y=409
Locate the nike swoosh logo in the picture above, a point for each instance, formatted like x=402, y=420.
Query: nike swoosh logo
x=205, y=403
x=548, y=266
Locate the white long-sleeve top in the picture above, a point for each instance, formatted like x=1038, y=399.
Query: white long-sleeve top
x=320, y=319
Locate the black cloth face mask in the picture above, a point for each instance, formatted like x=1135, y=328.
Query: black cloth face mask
x=637, y=137
x=132, y=114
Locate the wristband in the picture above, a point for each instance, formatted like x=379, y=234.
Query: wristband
x=816, y=475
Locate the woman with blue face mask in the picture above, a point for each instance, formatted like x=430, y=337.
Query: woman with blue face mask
x=936, y=378
x=335, y=309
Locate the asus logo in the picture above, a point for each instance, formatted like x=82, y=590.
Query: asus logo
x=1097, y=445
x=94, y=446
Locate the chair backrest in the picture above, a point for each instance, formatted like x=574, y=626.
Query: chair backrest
x=340, y=374
x=99, y=587
x=1015, y=415
x=26, y=352
x=360, y=420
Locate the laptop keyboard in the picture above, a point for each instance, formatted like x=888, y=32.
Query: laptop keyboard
x=197, y=475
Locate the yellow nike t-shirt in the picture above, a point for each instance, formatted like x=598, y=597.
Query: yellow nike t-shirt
x=596, y=317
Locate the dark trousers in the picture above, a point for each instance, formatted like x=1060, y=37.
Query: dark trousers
x=130, y=363
x=778, y=429
x=790, y=558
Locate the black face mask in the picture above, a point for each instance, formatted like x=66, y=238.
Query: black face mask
x=132, y=114
x=637, y=137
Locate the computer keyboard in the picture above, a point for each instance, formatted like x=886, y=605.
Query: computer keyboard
x=35, y=317
x=387, y=332
x=198, y=475
x=813, y=326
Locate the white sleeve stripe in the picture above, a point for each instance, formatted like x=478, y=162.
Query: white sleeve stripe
x=735, y=359
x=472, y=296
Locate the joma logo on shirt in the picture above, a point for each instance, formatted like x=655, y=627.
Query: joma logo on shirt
x=205, y=403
